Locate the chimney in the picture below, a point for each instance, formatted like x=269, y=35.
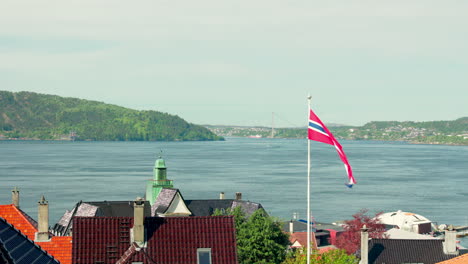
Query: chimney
x=238, y=196
x=291, y=227
x=15, y=197
x=43, y=220
x=450, y=243
x=364, y=245
x=138, y=219
x=221, y=195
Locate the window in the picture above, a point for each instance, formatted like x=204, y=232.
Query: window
x=204, y=256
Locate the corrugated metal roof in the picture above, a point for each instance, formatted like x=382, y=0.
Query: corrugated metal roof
x=169, y=240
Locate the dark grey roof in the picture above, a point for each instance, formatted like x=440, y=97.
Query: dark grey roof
x=100, y=208
x=117, y=208
x=407, y=251
x=18, y=249
x=4, y=259
x=207, y=207
x=248, y=207
x=163, y=201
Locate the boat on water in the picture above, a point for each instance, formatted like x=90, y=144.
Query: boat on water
x=255, y=136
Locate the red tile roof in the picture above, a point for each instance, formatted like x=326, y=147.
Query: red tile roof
x=463, y=259
x=58, y=247
x=169, y=240
x=19, y=219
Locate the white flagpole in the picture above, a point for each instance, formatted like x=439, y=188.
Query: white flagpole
x=308, y=184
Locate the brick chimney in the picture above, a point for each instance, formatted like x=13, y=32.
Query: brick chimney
x=450, y=243
x=291, y=226
x=15, y=197
x=43, y=220
x=238, y=196
x=221, y=195
x=364, y=245
x=138, y=229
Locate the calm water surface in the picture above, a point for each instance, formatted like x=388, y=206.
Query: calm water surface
x=430, y=180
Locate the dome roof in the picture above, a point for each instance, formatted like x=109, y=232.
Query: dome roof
x=160, y=163
x=404, y=220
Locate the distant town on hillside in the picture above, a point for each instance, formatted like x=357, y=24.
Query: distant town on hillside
x=432, y=132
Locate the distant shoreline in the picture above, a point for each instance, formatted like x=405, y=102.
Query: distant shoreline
x=361, y=140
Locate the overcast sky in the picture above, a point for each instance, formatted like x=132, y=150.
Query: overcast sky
x=235, y=62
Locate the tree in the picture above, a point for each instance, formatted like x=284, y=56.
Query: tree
x=335, y=256
x=259, y=238
x=350, y=239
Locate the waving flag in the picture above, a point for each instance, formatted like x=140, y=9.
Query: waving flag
x=317, y=131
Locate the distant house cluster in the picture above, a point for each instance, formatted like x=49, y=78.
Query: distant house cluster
x=163, y=227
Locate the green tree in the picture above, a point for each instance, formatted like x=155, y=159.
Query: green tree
x=335, y=256
x=259, y=237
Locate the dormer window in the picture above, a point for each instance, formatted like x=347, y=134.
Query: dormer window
x=203, y=255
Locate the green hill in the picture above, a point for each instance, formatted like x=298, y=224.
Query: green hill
x=40, y=116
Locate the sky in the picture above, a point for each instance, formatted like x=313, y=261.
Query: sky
x=237, y=62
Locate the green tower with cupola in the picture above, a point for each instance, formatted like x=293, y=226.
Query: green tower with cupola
x=159, y=181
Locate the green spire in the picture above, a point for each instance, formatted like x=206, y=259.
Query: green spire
x=159, y=181
x=159, y=171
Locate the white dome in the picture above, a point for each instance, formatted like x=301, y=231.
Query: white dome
x=404, y=220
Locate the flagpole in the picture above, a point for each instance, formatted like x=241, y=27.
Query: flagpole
x=308, y=185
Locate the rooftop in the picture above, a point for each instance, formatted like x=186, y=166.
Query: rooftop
x=17, y=248
x=169, y=239
x=463, y=259
x=59, y=247
x=207, y=207
x=407, y=251
x=19, y=219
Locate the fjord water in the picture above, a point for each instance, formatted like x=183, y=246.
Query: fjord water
x=430, y=180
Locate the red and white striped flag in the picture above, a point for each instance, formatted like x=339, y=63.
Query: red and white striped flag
x=317, y=131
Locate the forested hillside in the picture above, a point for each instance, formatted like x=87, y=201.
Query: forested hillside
x=39, y=116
